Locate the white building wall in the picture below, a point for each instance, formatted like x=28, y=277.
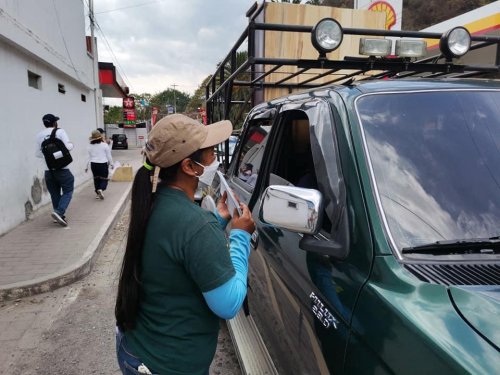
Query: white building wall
x=48, y=39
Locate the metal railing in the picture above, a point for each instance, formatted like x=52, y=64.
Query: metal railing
x=251, y=73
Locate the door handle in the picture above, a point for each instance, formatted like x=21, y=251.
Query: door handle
x=254, y=239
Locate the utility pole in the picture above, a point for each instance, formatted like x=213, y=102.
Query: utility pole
x=95, y=65
x=175, y=106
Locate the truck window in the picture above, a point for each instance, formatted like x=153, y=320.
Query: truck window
x=294, y=158
x=293, y=163
x=251, y=152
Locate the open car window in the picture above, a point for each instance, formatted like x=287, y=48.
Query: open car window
x=292, y=161
x=251, y=152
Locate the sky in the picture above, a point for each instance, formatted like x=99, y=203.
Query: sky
x=161, y=43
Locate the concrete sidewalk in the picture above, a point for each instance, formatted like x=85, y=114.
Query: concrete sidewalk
x=38, y=255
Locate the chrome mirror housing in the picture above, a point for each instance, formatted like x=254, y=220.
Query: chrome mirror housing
x=292, y=208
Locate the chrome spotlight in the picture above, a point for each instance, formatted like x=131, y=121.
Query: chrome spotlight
x=327, y=35
x=455, y=42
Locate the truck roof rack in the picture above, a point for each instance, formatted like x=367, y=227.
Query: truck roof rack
x=256, y=72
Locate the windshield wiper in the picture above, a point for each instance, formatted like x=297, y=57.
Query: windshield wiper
x=473, y=245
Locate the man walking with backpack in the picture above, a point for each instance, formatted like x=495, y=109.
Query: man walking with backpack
x=53, y=144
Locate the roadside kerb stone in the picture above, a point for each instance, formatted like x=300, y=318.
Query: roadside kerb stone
x=73, y=272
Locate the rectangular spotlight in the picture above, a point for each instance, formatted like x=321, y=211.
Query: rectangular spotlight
x=375, y=46
x=411, y=48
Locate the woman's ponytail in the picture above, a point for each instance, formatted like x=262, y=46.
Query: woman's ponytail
x=128, y=298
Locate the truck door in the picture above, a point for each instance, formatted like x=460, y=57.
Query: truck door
x=302, y=301
x=262, y=303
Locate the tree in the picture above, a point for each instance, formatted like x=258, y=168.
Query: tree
x=168, y=97
x=418, y=15
x=334, y=3
x=143, y=112
x=198, y=98
x=114, y=115
x=239, y=93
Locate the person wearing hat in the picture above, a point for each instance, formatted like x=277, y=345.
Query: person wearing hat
x=60, y=183
x=99, y=159
x=180, y=274
x=104, y=138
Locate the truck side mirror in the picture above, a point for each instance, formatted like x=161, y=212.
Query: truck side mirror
x=296, y=209
x=300, y=210
x=337, y=245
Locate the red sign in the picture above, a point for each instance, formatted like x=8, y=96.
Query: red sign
x=129, y=102
x=203, y=114
x=257, y=137
x=154, y=113
x=129, y=110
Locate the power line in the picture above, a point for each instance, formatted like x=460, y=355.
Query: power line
x=127, y=81
x=85, y=2
x=131, y=6
x=112, y=53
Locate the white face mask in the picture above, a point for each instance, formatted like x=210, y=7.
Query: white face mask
x=209, y=171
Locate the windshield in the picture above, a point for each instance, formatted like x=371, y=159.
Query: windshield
x=435, y=158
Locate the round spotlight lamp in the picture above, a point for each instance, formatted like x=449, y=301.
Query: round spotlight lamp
x=455, y=42
x=327, y=35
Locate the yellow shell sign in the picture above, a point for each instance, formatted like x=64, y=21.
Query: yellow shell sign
x=390, y=14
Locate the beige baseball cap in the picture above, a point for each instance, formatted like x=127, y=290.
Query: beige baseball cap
x=177, y=136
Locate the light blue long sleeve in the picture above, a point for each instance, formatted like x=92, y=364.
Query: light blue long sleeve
x=223, y=222
x=225, y=301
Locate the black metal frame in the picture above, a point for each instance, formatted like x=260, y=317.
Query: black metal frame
x=218, y=92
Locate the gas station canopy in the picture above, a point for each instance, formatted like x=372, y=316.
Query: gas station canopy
x=111, y=84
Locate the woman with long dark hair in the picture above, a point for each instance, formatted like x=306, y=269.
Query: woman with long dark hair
x=180, y=274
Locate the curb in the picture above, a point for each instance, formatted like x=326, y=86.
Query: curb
x=72, y=273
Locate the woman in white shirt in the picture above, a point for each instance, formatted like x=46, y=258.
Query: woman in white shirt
x=99, y=159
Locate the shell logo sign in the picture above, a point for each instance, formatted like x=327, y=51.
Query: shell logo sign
x=393, y=10
x=390, y=14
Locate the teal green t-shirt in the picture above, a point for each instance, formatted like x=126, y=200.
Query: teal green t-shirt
x=185, y=253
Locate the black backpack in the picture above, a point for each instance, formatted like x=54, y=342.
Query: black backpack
x=55, y=152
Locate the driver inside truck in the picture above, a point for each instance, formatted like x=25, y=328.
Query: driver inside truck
x=245, y=171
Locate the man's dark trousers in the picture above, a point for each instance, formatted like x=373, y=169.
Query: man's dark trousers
x=57, y=181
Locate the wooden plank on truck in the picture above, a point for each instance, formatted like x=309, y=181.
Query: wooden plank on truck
x=287, y=45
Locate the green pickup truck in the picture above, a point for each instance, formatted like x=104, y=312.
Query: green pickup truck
x=377, y=207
